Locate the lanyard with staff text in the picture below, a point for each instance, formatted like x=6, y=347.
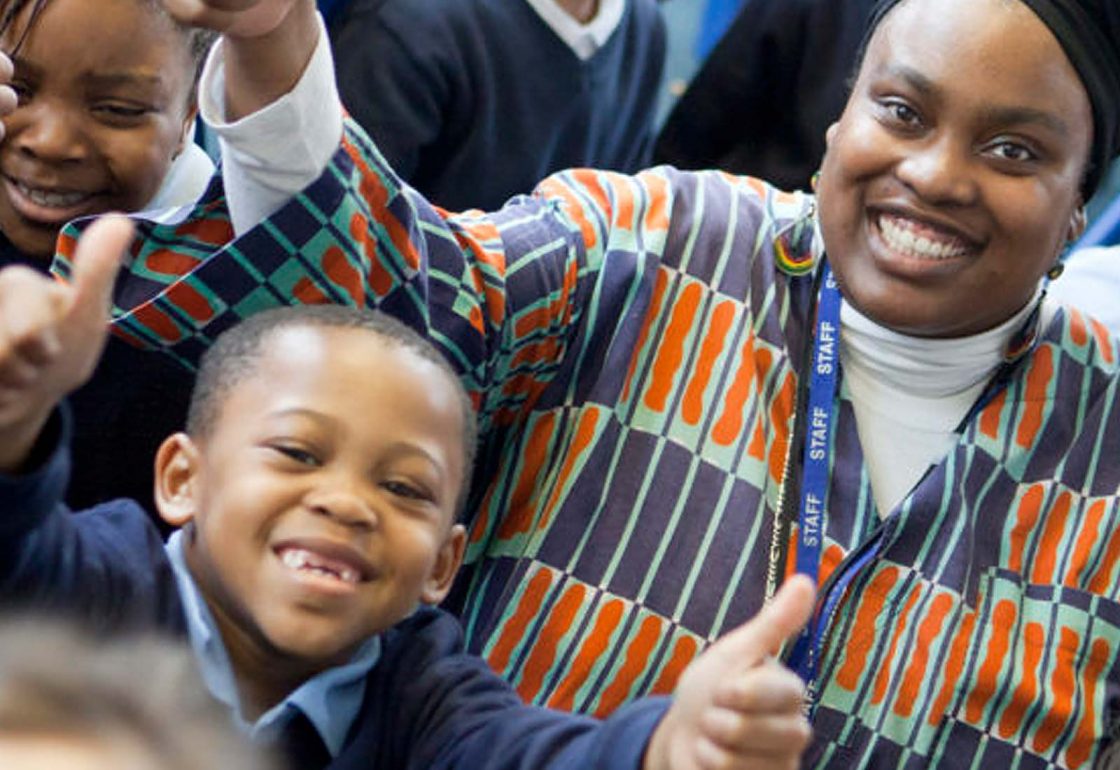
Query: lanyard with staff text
x=813, y=430
x=816, y=414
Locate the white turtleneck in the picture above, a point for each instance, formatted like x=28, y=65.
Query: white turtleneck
x=909, y=394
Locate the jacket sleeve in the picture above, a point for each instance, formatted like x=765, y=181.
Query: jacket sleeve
x=105, y=565
x=452, y=712
x=506, y=296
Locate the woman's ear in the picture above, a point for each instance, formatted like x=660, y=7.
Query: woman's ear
x=830, y=133
x=177, y=466
x=446, y=566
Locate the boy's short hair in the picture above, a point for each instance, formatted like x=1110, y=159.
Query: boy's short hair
x=233, y=357
x=144, y=692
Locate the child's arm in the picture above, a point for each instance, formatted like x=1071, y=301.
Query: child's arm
x=267, y=45
x=268, y=93
x=52, y=334
x=735, y=706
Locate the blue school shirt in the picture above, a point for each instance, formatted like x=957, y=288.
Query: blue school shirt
x=330, y=700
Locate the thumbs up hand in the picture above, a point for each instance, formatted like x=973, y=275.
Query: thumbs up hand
x=735, y=706
x=52, y=334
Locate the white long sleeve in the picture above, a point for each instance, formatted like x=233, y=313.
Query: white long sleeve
x=272, y=154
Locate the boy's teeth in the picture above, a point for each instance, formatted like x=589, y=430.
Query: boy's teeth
x=900, y=238
x=51, y=199
x=300, y=559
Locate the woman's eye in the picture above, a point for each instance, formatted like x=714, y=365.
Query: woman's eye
x=301, y=456
x=902, y=113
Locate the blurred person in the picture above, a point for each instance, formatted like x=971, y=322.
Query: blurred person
x=72, y=701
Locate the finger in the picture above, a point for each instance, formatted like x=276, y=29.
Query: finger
x=96, y=262
x=777, y=735
x=710, y=756
x=777, y=622
x=8, y=99
x=29, y=312
x=767, y=688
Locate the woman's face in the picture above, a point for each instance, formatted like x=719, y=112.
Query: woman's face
x=105, y=96
x=951, y=181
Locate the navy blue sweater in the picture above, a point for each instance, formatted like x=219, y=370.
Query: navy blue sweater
x=427, y=705
x=474, y=101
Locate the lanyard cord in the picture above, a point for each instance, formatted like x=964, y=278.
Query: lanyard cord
x=789, y=498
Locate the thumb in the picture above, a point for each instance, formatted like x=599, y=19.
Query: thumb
x=96, y=262
x=777, y=622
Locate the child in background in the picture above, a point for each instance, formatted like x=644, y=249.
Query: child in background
x=105, y=115
x=326, y=456
x=69, y=702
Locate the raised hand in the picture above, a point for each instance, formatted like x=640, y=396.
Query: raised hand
x=52, y=334
x=266, y=45
x=8, y=99
x=735, y=706
x=240, y=18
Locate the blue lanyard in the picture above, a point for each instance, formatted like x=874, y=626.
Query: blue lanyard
x=817, y=461
x=817, y=451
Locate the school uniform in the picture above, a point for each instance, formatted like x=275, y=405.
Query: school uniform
x=421, y=702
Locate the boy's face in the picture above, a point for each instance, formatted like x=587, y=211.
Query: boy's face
x=323, y=497
x=105, y=99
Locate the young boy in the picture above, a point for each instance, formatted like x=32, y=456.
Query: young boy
x=326, y=455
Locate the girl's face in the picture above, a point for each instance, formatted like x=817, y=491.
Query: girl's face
x=105, y=101
x=951, y=181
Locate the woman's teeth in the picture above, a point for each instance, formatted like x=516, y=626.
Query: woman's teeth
x=898, y=235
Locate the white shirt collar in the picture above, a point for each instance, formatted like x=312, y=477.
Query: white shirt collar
x=330, y=700
x=584, y=39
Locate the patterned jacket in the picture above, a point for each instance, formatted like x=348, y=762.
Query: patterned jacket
x=632, y=344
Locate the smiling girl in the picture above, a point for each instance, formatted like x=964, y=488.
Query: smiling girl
x=105, y=115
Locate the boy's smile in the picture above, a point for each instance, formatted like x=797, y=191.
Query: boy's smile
x=322, y=499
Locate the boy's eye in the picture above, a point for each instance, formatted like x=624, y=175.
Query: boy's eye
x=299, y=455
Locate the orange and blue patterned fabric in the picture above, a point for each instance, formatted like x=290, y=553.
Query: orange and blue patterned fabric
x=632, y=346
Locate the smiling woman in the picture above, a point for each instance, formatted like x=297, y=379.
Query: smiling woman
x=952, y=183
x=106, y=106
